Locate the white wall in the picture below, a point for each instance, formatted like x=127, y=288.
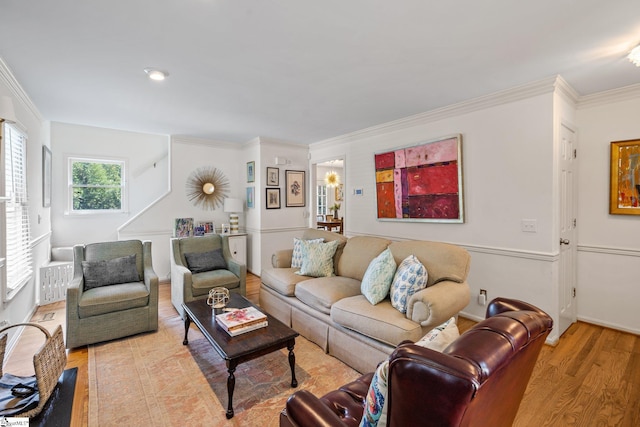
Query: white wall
x=157, y=221
x=146, y=157
x=508, y=168
x=22, y=306
x=609, y=245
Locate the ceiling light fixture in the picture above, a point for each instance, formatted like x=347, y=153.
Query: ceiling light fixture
x=156, y=75
x=634, y=56
x=332, y=179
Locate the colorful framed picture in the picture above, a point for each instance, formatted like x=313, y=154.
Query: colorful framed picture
x=251, y=195
x=624, y=192
x=251, y=171
x=295, y=188
x=273, y=176
x=183, y=227
x=273, y=198
x=339, y=193
x=421, y=182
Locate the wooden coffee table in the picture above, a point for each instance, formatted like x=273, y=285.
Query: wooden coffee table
x=243, y=347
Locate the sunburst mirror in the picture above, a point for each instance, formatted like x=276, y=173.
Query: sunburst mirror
x=207, y=187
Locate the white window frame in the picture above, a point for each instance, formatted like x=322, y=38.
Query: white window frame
x=15, y=252
x=123, y=185
x=322, y=199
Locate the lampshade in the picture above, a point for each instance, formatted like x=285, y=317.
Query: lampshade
x=233, y=205
x=6, y=109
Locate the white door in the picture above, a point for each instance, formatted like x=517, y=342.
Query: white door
x=568, y=222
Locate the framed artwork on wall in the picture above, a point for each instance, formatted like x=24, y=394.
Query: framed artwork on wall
x=624, y=192
x=273, y=176
x=339, y=193
x=46, y=176
x=251, y=171
x=273, y=198
x=251, y=195
x=421, y=183
x=294, y=188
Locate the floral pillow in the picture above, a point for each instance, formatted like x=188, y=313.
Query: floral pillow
x=317, y=258
x=375, y=410
x=409, y=279
x=296, y=258
x=377, y=279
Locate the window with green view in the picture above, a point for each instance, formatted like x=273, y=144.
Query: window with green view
x=96, y=185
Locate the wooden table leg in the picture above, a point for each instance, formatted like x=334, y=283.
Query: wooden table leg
x=231, y=385
x=292, y=363
x=187, y=322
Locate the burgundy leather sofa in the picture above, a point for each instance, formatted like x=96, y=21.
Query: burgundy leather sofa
x=478, y=380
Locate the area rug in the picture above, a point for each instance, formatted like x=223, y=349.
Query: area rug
x=152, y=379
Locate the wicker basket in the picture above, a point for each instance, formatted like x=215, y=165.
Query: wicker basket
x=48, y=363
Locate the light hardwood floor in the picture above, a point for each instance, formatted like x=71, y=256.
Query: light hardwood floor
x=591, y=378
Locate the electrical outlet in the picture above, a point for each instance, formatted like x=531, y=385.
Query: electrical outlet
x=529, y=225
x=482, y=297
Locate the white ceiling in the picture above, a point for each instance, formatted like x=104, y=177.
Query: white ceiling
x=301, y=70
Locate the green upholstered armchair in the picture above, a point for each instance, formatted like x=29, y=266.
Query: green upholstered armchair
x=189, y=283
x=113, y=294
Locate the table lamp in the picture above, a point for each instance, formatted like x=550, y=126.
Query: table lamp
x=233, y=207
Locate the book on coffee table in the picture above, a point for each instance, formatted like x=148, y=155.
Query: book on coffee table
x=242, y=320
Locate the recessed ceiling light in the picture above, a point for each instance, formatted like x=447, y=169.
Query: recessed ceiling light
x=155, y=74
x=634, y=56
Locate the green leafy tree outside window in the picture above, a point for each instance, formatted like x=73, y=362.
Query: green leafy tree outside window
x=97, y=186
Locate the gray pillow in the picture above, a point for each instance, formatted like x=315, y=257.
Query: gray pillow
x=199, y=262
x=110, y=272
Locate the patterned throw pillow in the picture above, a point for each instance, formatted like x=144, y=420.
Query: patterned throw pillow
x=296, y=258
x=317, y=258
x=377, y=279
x=409, y=279
x=375, y=411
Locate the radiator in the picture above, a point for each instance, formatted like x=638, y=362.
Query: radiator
x=54, y=279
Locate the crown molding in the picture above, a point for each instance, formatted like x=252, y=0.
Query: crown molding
x=183, y=139
x=7, y=77
x=517, y=93
x=609, y=96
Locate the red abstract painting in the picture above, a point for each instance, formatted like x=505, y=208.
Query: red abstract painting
x=422, y=182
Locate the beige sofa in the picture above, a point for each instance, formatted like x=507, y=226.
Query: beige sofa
x=331, y=311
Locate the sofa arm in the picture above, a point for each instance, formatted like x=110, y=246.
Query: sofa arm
x=436, y=304
x=282, y=258
x=305, y=409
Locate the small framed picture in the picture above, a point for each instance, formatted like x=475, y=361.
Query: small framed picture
x=295, y=186
x=251, y=171
x=273, y=198
x=224, y=229
x=339, y=193
x=273, y=176
x=251, y=196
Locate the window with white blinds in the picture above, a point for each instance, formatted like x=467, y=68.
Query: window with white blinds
x=17, y=250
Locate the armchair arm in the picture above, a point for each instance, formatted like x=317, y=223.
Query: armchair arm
x=501, y=305
x=305, y=409
x=150, y=276
x=239, y=270
x=180, y=275
x=436, y=304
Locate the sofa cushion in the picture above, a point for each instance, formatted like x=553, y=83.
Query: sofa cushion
x=377, y=279
x=282, y=280
x=199, y=262
x=358, y=253
x=410, y=277
x=110, y=272
x=375, y=410
x=381, y=321
x=321, y=293
x=109, y=299
x=317, y=258
x=202, y=282
x=328, y=236
x=443, y=261
x=297, y=255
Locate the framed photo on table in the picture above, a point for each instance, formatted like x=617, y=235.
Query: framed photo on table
x=273, y=198
x=273, y=176
x=295, y=188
